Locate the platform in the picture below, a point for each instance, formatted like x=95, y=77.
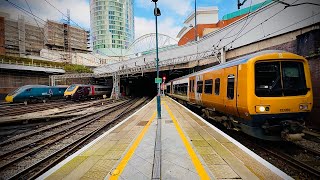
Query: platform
x=190, y=148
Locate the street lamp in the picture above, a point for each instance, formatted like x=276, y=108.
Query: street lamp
x=195, y=20
x=157, y=13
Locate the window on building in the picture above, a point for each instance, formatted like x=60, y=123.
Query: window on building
x=217, y=86
x=199, y=86
x=230, y=86
x=208, y=86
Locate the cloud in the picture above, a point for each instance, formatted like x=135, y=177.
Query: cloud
x=145, y=26
x=79, y=10
x=180, y=7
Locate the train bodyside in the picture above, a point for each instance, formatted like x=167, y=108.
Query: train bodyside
x=78, y=91
x=35, y=93
x=99, y=91
x=266, y=95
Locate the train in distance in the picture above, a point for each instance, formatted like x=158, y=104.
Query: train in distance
x=34, y=93
x=82, y=91
x=267, y=94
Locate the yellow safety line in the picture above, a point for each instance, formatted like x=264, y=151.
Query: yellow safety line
x=116, y=173
x=195, y=160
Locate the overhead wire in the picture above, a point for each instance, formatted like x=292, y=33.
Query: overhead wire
x=243, y=27
x=277, y=30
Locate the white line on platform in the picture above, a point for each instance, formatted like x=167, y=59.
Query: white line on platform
x=245, y=149
x=58, y=166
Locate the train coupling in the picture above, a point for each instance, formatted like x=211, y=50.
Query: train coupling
x=292, y=130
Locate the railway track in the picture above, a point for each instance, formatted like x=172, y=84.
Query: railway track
x=23, y=109
x=290, y=155
x=30, y=154
x=19, y=109
x=296, y=160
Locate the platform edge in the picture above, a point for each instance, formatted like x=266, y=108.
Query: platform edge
x=59, y=165
x=245, y=149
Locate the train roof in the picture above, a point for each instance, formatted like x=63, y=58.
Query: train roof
x=33, y=86
x=41, y=86
x=237, y=61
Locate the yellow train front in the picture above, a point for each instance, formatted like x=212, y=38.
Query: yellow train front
x=267, y=94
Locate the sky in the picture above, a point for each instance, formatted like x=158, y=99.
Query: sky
x=173, y=12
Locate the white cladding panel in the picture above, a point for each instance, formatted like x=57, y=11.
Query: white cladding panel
x=272, y=20
x=181, y=81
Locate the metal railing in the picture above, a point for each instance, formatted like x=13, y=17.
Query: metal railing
x=33, y=64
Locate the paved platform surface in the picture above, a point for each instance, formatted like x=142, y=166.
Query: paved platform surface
x=188, y=148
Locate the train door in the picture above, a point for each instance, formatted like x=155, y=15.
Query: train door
x=230, y=89
x=198, y=83
x=191, y=89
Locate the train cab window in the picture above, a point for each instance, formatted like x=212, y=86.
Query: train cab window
x=71, y=88
x=275, y=79
x=28, y=90
x=208, y=86
x=230, y=86
x=199, y=86
x=217, y=86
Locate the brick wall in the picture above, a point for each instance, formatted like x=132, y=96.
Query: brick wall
x=2, y=40
x=10, y=80
x=308, y=45
x=314, y=63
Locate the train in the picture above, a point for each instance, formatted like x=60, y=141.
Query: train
x=33, y=93
x=267, y=95
x=82, y=91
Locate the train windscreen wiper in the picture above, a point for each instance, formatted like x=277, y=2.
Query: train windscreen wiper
x=274, y=84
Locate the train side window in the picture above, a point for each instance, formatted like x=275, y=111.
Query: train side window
x=208, y=86
x=230, y=86
x=217, y=86
x=199, y=86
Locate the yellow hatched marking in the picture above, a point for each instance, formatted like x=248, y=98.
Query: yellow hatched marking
x=195, y=160
x=117, y=172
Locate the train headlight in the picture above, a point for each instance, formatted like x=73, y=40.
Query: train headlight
x=303, y=107
x=262, y=109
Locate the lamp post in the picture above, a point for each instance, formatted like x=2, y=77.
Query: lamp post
x=157, y=13
x=195, y=20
